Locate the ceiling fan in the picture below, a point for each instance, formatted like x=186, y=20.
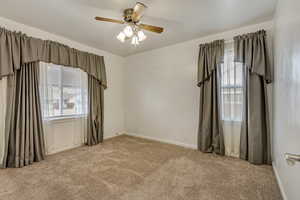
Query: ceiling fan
x=133, y=30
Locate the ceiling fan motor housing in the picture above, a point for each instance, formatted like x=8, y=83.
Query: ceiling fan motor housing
x=128, y=15
x=132, y=17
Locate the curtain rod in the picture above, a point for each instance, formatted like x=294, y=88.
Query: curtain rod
x=228, y=41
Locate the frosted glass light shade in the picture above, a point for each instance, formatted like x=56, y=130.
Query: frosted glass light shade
x=132, y=32
x=141, y=36
x=121, y=37
x=135, y=40
x=128, y=31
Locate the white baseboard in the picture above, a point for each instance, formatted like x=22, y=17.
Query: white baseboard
x=283, y=194
x=112, y=136
x=190, y=146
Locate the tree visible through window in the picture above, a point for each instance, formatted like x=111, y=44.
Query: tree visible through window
x=63, y=90
x=231, y=88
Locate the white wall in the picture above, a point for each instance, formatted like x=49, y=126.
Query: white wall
x=287, y=95
x=113, y=96
x=162, y=99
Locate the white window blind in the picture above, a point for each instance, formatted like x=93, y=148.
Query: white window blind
x=231, y=87
x=63, y=91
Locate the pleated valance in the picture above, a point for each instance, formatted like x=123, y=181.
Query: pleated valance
x=17, y=49
x=210, y=56
x=252, y=50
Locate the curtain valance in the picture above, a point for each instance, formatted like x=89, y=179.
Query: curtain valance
x=17, y=49
x=252, y=50
x=210, y=55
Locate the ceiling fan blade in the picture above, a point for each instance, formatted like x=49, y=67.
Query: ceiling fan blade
x=138, y=11
x=109, y=20
x=151, y=28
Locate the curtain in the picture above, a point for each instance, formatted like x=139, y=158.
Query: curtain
x=231, y=101
x=210, y=133
x=252, y=51
x=19, y=54
x=17, y=49
x=24, y=131
x=3, y=88
x=95, y=111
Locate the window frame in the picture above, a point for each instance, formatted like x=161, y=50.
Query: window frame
x=62, y=116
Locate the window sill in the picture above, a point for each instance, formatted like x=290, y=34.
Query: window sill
x=64, y=118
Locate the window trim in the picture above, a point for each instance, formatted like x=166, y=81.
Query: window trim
x=232, y=120
x=232, y=86
x=62, y=116
x=237, y=121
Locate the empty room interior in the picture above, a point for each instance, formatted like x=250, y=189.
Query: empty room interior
x=149, y=100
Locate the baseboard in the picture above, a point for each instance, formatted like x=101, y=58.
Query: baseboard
x=283, y=194
x=112, y=136
x=190, y=146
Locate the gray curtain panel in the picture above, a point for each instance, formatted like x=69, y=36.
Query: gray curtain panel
x=17, y=49
x=19, y=55
x=252, y=50
x=95, y=111
x=210, y=132
x=23, y=129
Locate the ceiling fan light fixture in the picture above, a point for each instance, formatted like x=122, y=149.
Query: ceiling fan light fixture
x=133, y=30
x=128, y=31
x=141, y=36
x=121, y=37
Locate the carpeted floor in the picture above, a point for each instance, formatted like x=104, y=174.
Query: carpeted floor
x=129, y=168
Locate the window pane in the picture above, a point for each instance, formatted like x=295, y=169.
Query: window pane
x=239, y=74
x=231, y=88
x=69, y=101
x=63, y=90
x=53, y=90
x=238, y=105
x=53, y=100
x=71, y=77
x=74, y=93
x=72, y=101
x=53, y=75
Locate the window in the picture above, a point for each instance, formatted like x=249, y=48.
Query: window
x=63, y=91
x=231, y=88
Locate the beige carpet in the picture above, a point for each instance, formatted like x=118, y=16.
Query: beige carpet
x=129, y=168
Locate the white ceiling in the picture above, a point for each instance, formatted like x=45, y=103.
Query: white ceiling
x=182, y=19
